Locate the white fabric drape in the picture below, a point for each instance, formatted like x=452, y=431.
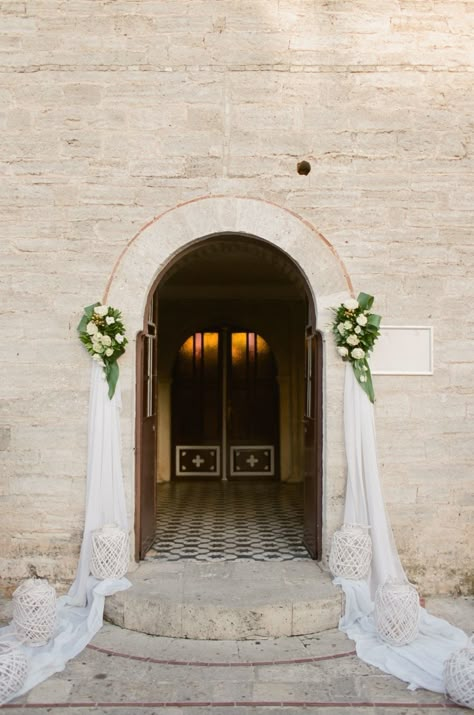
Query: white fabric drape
x=105, y=498
x=421, y=662
x=364, y=500
x=76, y=626
x=80, y=612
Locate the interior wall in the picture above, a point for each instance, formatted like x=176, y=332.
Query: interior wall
x=281, y=323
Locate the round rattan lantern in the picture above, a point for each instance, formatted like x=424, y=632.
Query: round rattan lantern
x=397, y=612
x=34, y=611
x=13, y=671
x=459, y=676
x=110, y=552
x=351, y=552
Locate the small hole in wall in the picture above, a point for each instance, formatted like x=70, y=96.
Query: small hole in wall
x=303, y=167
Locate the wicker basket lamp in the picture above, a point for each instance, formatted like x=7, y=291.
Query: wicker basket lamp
x=13, y=671
x=459, y=676
x=110, y=552
x=397, y=612
x=351, y=552
x=34, y=611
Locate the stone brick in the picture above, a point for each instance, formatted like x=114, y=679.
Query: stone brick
x=5, y=438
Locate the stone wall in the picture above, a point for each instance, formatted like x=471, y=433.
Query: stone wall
x=113, y=112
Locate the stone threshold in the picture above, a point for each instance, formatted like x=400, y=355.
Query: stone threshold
x=227, y=600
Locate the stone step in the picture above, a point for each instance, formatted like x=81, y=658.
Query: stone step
x=227, y=600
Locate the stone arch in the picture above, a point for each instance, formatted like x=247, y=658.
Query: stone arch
x=150, y=252
x=159, y=241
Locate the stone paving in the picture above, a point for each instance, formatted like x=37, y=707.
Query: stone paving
x=127, y=672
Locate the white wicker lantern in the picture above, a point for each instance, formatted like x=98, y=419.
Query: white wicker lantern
x=397, y=612
x=13, y=671
x=110, y=552
x=351, y=552
x=34, y=611
x=459, y=676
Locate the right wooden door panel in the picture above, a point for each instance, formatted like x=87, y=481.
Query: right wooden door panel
x=313, y=445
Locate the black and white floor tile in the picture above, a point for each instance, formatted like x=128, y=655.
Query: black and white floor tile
x=228, y=521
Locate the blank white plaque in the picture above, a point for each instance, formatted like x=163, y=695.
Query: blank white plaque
x=403, y=350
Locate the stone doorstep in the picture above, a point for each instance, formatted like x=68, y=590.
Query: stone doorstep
x=227, y=601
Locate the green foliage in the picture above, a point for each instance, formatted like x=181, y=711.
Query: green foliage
x=355, y=330
x=102, y=332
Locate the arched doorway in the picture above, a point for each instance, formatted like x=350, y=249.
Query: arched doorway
x=227, y=403
x=150, y=255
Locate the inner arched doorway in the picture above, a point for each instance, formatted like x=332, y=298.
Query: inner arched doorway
x=258, y=305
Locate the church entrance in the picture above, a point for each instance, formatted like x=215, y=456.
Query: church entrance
x=229, y=395
x=225, y=407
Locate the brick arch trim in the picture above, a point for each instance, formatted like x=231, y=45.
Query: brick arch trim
x=147, y=254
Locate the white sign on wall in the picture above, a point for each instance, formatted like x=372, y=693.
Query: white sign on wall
x=403, y=350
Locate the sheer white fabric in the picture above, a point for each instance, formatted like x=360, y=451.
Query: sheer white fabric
x=80, y=613
x=105, y=498
x=421, y=662
x=364, y=500
x=76, y=627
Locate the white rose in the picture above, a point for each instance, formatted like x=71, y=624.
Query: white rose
x=109, y=352
x=348, y=325
x=343, y=352
x=340, y=328
x=361, y=320
x=119, y=338
x=358, y=353
x=106, y=340
x=352, y=340
x=351, y=304
x=97, y=348
x=363, y=378
x=110, y=320
x=91, y=328
x=357, y=329
x=101, y=310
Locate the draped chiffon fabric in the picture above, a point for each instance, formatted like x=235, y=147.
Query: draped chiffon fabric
x=421, y=662
x=80, y=612
x=105, y=496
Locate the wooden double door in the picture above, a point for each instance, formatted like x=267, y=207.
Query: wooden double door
x=225, y=407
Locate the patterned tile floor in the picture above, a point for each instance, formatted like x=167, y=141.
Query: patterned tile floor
x=208, y=521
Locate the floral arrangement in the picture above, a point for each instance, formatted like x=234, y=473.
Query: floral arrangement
x=356, y=329
x=102, y=332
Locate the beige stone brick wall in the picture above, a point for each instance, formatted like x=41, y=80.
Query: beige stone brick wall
x=112, y=112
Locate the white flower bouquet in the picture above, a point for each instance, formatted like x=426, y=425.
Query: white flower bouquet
x=355, y=330
x=102, y=332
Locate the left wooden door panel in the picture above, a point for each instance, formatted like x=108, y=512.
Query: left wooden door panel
x=146, y=441
x=197, y=408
